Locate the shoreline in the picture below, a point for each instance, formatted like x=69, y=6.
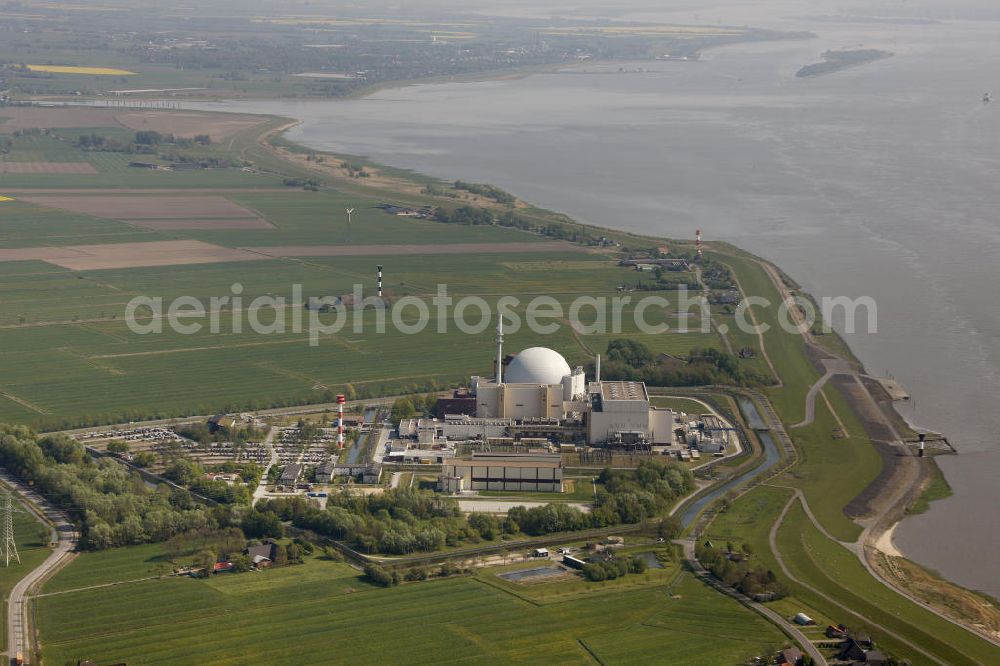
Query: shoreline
x=277, y=126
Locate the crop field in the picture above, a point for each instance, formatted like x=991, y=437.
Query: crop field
x=63, y=330
x=72, y=69
x=47, y=167
x=144, y=207
x=324, y=607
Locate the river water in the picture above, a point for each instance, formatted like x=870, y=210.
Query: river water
x=882, y=181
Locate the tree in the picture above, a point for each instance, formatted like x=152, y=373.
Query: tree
x=144, y=459
x=242, y=564
x=205, y=560
x=630, y=352
x=669, y=528
x=117, y=446
x=403, y=408
x=259, y=525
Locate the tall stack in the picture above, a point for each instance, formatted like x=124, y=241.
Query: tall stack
x=499, y=361
x=340, y=421
x=697, y=243
x=380, y=280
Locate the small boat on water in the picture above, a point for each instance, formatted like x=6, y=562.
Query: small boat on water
x=987, y=97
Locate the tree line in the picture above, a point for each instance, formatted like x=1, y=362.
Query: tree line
x=405, y=520
x=110, y=504
x=631, y=360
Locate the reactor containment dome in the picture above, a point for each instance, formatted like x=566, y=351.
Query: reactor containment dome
x=537, y=365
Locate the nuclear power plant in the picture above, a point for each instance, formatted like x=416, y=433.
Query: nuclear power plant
x=537, y=403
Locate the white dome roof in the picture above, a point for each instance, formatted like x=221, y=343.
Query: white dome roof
x=536, y=365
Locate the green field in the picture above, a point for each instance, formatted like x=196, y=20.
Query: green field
x=320, y=611
x=61, y=330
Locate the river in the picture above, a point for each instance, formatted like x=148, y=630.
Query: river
x=882, y=181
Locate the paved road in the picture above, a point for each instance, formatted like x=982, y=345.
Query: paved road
x=790, y=629
x=811, y=401
x=18, y=630
x=261, y=489
x=281, y=411
x=503, y=506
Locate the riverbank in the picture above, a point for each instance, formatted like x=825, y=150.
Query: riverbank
x=878, y=494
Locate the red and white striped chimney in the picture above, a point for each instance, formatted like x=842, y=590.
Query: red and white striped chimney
x=340, y=421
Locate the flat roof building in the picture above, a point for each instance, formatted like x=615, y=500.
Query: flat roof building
x=521, y=472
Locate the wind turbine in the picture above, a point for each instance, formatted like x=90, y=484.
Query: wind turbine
x=350, y=211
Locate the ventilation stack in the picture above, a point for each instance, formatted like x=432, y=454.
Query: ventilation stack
x=922, y=444
x=499, y=361
x=340, y=421
x=379, y=280
x=697, y=244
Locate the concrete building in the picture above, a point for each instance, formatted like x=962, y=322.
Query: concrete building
x=536, y=384
x=324, y=472
x=519, y=472
x=619, y=413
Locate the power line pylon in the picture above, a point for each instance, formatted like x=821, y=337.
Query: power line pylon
x=9, y=546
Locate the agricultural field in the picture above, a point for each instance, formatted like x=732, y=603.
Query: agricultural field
x=325, y=606
x=72, y=257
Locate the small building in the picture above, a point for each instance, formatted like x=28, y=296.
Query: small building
x=451, y=485
x=573, y=562
x=540, y=552
x=325, y=471
x=836, y=632
x=291, y=474
x=262, y=555
x=803, y=620
x=791, y=656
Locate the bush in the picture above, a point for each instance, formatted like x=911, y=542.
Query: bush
x=378, y=575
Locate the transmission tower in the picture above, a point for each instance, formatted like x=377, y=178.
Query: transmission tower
x=9, y=547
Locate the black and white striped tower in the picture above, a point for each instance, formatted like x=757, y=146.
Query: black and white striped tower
x=380, y=280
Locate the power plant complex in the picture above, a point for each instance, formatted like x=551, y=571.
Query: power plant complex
x=512, y=429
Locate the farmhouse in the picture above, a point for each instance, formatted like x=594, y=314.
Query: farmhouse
x=262, y=556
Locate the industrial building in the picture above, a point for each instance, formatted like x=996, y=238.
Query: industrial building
x=538, y=388
x=518, y=472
